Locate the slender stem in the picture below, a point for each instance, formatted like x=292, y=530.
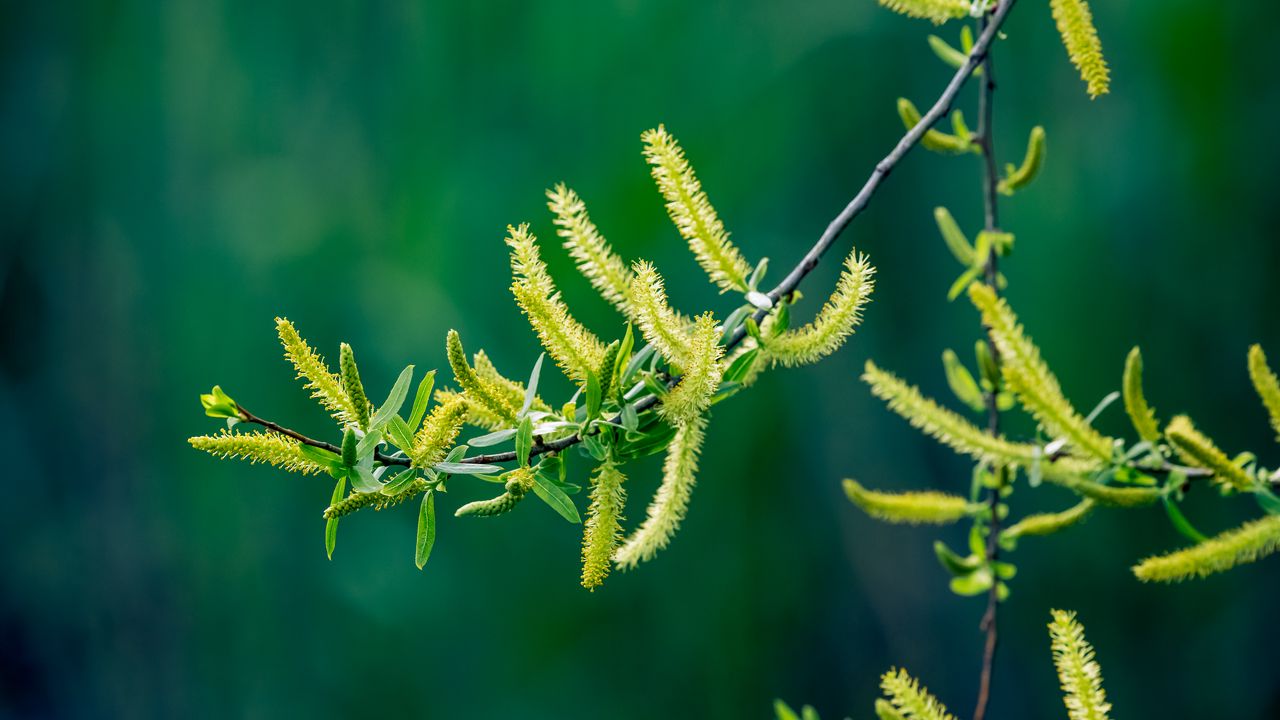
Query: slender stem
x=793, y=279
x=991, y=207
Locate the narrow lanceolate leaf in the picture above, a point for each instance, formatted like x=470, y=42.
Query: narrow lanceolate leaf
x=939, y=11
x=834, y=323
x=692, y=213
x=607, y=272
x=912, y=701
x=1017, y=178
x=659, y=324
x=351, y=383
x=934, y=140
x=1078, y=671
x=915, y=508
x=258, y=447
x=671, y=501
x=700, y=377
x=1049, y=523
x=1195, y=448
x=1245, y=544
x=603, y=529
x=492, y=397
x=574, y=348
x=1135, y=402
x=944, y=425
x=1267, y=385
x=438, y=432
x=426, y=530
x=1075, y=24
x=331, y=524
x=1030, y=378
x=323, y=384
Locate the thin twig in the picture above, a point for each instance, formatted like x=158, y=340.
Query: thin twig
x=991, y=273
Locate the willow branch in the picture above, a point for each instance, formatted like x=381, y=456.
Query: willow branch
x=788, y=284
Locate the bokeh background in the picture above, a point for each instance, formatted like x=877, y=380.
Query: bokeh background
x=175, y=174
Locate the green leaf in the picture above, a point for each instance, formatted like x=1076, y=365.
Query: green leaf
x=421, y=399
x=395, y=399
x=455, y=468
x=368, y=444
x=219, y=404
x=975, y=583
x=363, y=480
x=963, y=282
x=493, y=438
x=622, y=360
x=556, y=498
x=331, y=526
x=531, y=390
x=320, y=456
x=399, y=433
x=524, y=440
x=741, y=366
x=594, y=396
x=948, y=54
x=1180, y=522
x=953, y=563
x=784, y=711
x=398, y=483
x=426, y=529
x=962, y=383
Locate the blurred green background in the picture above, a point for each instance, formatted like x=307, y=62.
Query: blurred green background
x=178, y=173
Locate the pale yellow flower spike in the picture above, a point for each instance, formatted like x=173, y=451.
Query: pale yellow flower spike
x=324, y=385
x=834, y=323
x=258, y=447
x=1135, y=402
x=914, y=508
x=1078, y=671
x=699, y=378
x=938, y=11
x=692, y=213
x=574, y=348
x=1195, y=448
x=671, y=501
x=1267, y=385
x=1245, y=544
x=1080, y=37
x=603, y=530
x=910, y=700
x=438, y=432
x=607, y=272
x=477, y=391
x=658, y=323
x=1029, y=377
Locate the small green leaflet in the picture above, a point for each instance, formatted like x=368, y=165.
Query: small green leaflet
x=741, y=366
x=524, y=441
x=492, y=438
x=399, y=432
x=455, y=468
x=421, y=399
x=398, y=483
x=426, y=529
x=395, y=399
x=556, y=498
x=531, y=391
x=594, y=396
x=331, y=525
x=362, y=480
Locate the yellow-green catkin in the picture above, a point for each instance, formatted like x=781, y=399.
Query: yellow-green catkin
x=519, y=483
x=1030, y=378
x=1267, y=385
x=938, y=11
x=1080, y=37
x=492, y=396
x=1017, y=178
x=692, y=213
x=596, y=260
x=438, y=432
x=1135, y=402
x=1050, y=523
x=323, y=384
x=378, y=501
x=1250, y=542
x=915, y=508
x=1195, y=448
x=910, y=699
x=574, y=348
x=1078, y=670
x=700, y=376
x=603, y=529
x=671, y=501
x=835, y=322
x=352, y=385
x=258, y=447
